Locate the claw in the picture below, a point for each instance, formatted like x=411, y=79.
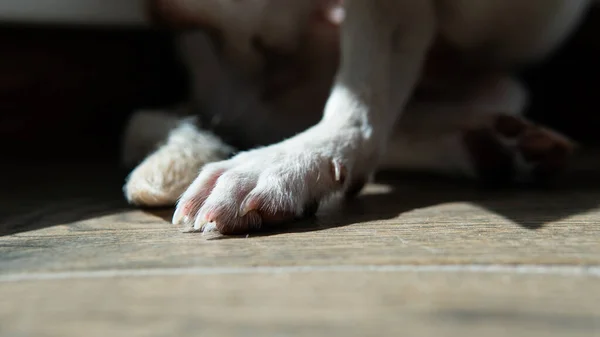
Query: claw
x=200, y=223
x=248, y=205
x=209, y=228
x=338, y=171
x=179, y=217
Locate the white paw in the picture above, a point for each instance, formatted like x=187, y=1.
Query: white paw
x=260, y=187
x=163, y=176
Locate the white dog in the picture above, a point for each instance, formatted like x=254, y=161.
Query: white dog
x=421, y=85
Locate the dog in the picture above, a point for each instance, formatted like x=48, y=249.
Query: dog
x=296, y=101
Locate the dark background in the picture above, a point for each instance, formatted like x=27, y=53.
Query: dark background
x=66, y=93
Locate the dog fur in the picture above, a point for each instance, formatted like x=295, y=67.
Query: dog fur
x=312, y=108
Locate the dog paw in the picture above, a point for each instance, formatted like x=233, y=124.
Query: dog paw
x=259, y=188
x=161, y=178
x=514, y=149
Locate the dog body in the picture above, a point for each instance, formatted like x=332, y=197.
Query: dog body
x=403, y=84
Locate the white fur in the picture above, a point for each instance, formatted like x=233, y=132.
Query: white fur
x=384, y=44
x=162, y=177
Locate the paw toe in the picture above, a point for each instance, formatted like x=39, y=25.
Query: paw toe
x=515, y=149
x=257, y=189
x=547, y=152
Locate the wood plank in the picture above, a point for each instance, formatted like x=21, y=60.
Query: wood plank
x=420, y=257
x=304, y=304
x=82, y=223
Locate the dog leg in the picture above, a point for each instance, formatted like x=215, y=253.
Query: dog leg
x=384, y=43
x=480, y=135
x=162, y=177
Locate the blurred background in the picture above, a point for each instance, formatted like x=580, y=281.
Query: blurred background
x=72, y=71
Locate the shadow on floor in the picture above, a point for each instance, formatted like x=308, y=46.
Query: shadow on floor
x=527, y=206
x=62, y=195
x=45, y=195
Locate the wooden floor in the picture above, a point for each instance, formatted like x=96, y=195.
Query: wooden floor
x=409, y=257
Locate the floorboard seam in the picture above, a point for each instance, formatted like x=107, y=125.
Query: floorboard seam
x=558, y=270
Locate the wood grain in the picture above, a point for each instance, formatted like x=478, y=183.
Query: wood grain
x=84, y=224
x=412, y=256
x=305, y=304
x=76, y=260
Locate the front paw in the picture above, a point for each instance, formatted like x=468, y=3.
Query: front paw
x=260, y=187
